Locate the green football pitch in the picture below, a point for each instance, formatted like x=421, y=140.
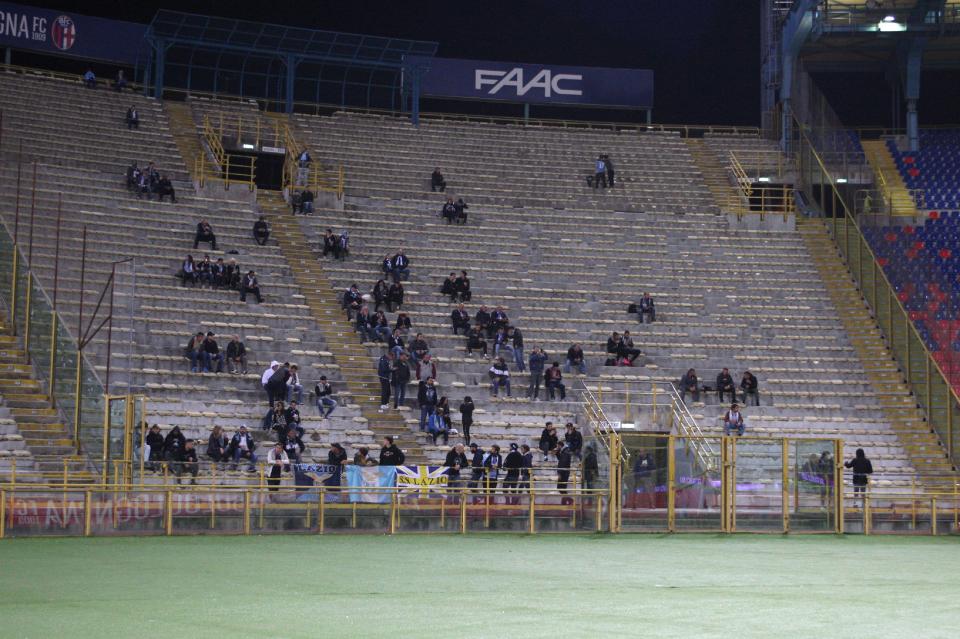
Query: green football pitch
x=480, y=586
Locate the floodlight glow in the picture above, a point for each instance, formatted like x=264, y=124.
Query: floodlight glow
x=841, y=180
x=888, y=27
x=889, y=18
x=763, y=179
x=249, y=146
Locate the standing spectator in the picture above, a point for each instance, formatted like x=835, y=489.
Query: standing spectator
x=610, y=171
x=499, y=377
x=512, y=463
x=526, y=469
x=575, y=358
x=537, y=361
x=461, y=211
x=154, y=440
x=600, y=174
x=455, y=461
x=400, y=378
x=212, y=354
x=427, y=399
x=591, y=465
x=862, y=469
x=492, y=464
x=237, y=356
x=573, y=440
x=689, y=384
x=306, y=202
x=476, y=466
x=644, y=478
x=460, y=320
x=250, y=285
x=564, y=460
x=384, y=374
x=186, y=461
x=401, y=266
x=466, y=417
x=750, y=389
x=426, y=368
x=554, y=382
x=233, y=276
x=462, y=287
x=261, y=231
x=647, y=309
x=517, y=338
x=437, y=183
x=325, y=399
x=733, y=420
x=276, y=459
x=218, y=445
x=133, y=118
x=277, y=383
x=205, y=234
x=548, y=440
x=725, y=386
x=242, y=446
x=390, y=453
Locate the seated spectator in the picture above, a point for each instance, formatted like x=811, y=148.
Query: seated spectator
x=277, y=459
x=90, y=79
x=292, y=416
x=449, y=211
x=498, y=320
x=133, y=176
x=306, y=202
x=379, y=294
x=121, y=82
x=233, y=276
x=483, y=322
x=293, y=445
x=212, y=354
x=143, y=186
x=614, y=349
x=627, y=348
x=575, y=358
x=386, y=265
x=396, y=344
x=343, y=246
x=188, y=272
x=205, y=234
x=165, y=189
x=219, y=273
x=600, y=175
x=499, y=377
x=553, y=379
x=133, y=118
x=194, y=352
x=460, y=320
x=689, y=384
x=364, y=325
x=426, y=368
x=325, y=398
x=261, y=232
x=476, y=342
x=381, y=327
x=403, y=322
x=276, y=419
x=401, y=266
x=395, y=297
x=173, y=443
x=154, y=440
x=237, y=356
x=331, y=244
x=646, y=309
x=250, y=285
x=725, y=385
x=419, y=348
x=352, y=301
x=449, y=287
x=204, y=269
x=462, y=287
x=573, y=439
x=186, y=461
x=218, y=445
x=242, y=446
x=733, y=420
x=461, y=211
x=437, y=183
x=362, y=457
x=294, y=387
x=501, y=342
x=750, y=389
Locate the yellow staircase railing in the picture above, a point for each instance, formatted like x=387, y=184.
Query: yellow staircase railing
x=220, y=166
x=898, y=199
x=776, y=199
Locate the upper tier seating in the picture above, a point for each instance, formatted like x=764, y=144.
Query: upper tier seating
x=932, y=170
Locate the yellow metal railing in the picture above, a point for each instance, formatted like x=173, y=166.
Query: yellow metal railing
x=219, y=165
x=931, y=387
x=776, y=199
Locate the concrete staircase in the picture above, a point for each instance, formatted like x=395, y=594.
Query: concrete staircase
x=921, y=443
x=895, y=190
x=184, y=130
x=715, y=174
x=321, y=297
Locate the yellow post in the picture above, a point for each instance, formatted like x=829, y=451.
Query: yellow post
x=13, y=291
x=933, y=516
x=913, y=502
x=246, y=511
x=785, y=486
x=87, y=507
x=839, y=514
x=105, y=455
x=26, y=314
x=533, y=524
x=78, y=391
x=3, y=513
x=671, y=485
x=53, y=357
x=321, y=520
x=866, y=514
x=463, y=512
x=393, y=512
x=213, y=510
x=13, y=472
x=653, y=388
x=168, y=510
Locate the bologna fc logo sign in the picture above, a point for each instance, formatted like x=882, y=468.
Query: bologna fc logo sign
x=63, y=33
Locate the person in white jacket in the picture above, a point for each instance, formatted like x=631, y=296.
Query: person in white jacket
x=276, y=459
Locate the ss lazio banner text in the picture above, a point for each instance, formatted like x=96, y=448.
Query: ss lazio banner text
x=533, y=83
x=66, y=33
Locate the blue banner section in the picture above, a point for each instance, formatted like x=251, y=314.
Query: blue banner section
x=533, y=83
x=70, y=34
x=315, y=474
x=360, y=479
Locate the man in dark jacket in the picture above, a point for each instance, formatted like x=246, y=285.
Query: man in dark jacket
x=249, y=284
x=390, y=453
x=437, y=183
x=537, y=361
x=173, y=444
x=154, y=440
x=750, y=389
x=492, y=464
x=482, y=321
x=186, y=461
x=646, y=309
x=205, y=234
x=449, y=211
x=573, y=440
x=401, y=266
x=455, y=462
x=261, y=232
x=427, y=399
x=725, y=386
x=862, y=469
x=384, y=372
x=277, y=384
x=237, y=355
x=689, y=384
x=461, y=211
x=460, y=320
x=575, y=359
x=330, y=243
x=293, y=444
x=476, y=466
x=517, y=341
x=399, y=378
x=548, y=440
x=212, y=354
x=242, y=447
x=512, y=463
x=292, y=417
x=564, y=460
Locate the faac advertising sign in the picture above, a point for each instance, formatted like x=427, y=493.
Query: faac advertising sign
x=533, y=83
x=63, y=33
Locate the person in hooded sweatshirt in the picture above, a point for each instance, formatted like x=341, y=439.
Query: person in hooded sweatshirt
x=862, y=469
x=527, y=468
x=390, y=453
x=513, y=463
x=173, y=444
x=563, y=472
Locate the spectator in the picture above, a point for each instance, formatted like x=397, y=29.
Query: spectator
x=396, y=345
x=725, y=386
x=600, y=175
x=292, y=417
x=733, y=420
x=591, y=465
x=395, y=297
x=499, y=319
x=419, y=348
x=462, y=287
x=401, y=266
x=276, y=459
x=303, y=168
x=644, y=477
x=384, y=374
x=628, y=349
x=427, y=400
x=689, y=384
x=294, y=387
x=154, y=440
x=386, y=265
x=219, y=273
x=165, y=188
x=364, y=325
x=204, y=270
x=526, y=469
x=426, y=368
x=610, y=171
x=242, y=446
x=499, y=377
x=437, y=183
x=573, y=439
x=512, y=463
x=564, y=459
x=90, y=79
x=862, y=469
x=205, y=234
x=331, y=244
x=325, y=399
x=381, y=328
x=276, y=419
x=277, y=383
x=466, y=417
x=554, y=382
x=455, y=461
x=232, y=277
x=460, y=320
x=188, y=272
x=261, y=232
x=475, y=342
x=352, y=301
x=449, y=211
x=476, y=466
x=750, y=389
x=293, y=444
x=492, y=464
x=548, y=440
x=537, y=361
x=647, y=309
x=362, y=457
x=575, y=358
x=120, y=83
x=173, y=443
x=306, y=202
x=133, y=118
x=501, y=342
x=133, y=175
x=614, y=348
x=212, y=354
x=483, y=321
x=403, y=322
x=186, y=462
x=449, y=287
x=195, y=352
x=237, y=356
x=218, y=445
x=390, y=453
x=441, y=421
x=250, y=285
x=516, y=338
x=461, y=211
x=379, y=294
x=343, y=245
x=400, y=377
